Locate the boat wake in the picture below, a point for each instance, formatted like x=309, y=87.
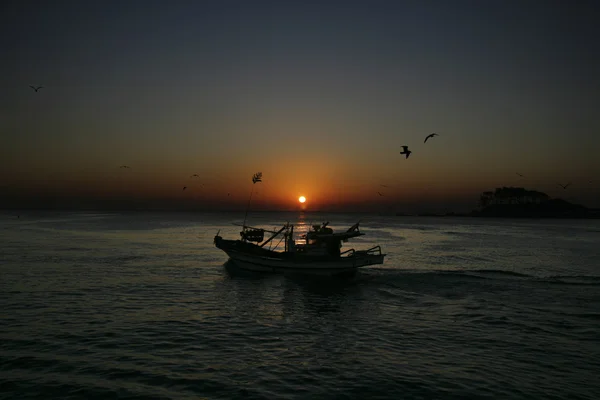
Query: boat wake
x=391, y=275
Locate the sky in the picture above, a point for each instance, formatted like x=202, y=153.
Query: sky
x=317, y=95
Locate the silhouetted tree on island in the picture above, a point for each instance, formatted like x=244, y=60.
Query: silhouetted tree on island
x=512, y=195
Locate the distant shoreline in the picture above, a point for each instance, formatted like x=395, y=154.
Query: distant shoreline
x=505, y=214
x=549, y=209
x=555, y=208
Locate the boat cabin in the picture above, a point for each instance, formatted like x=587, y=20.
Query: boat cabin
x=319, y=241
x=322, y=241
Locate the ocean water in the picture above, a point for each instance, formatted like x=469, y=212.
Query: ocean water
x=143, y=306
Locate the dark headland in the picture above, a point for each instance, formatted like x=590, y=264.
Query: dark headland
x=514, y=202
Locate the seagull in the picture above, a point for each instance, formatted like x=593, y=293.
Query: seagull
x=521, y=175
x=379, y=193
x=385, y=186
x=564, y=186
x=124, y=166
x=405, y=151
x=430, y=135
x=195, y=176
x=36, y=88
x=185, y=187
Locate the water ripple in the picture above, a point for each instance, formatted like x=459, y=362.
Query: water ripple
x=118, y=306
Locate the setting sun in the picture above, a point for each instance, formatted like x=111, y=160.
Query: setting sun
x=301, y=199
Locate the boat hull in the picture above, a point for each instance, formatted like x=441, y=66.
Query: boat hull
x=340, y=266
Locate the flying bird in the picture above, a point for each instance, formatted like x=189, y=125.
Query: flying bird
x=185, y=187
x=257, y=177
x=36, y=88
x=405, y=151
x=124, y=166
x=429, y=136
x=385, y=186
x=521, y=175
x=564, y=186
x=195, y=176
x=379, y=193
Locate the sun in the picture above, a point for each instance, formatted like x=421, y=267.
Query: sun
x=301, y=199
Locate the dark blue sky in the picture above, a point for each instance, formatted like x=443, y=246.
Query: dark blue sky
x=179, y=87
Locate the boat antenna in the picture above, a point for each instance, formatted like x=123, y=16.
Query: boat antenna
x=257, y=177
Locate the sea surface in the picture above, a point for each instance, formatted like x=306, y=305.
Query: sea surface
x=143, y=306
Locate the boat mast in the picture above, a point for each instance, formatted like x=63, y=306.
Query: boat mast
x=257, y=177
x=274, y=235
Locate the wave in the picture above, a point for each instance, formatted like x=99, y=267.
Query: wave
x=585, y=277
x=456, y=233
x=575, y=280
x=451, y=272
x=497, y=272
x=392, y=275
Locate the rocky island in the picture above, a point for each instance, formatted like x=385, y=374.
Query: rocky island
x=515, y=202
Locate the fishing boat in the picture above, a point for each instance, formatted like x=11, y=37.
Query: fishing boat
x=317, y=252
